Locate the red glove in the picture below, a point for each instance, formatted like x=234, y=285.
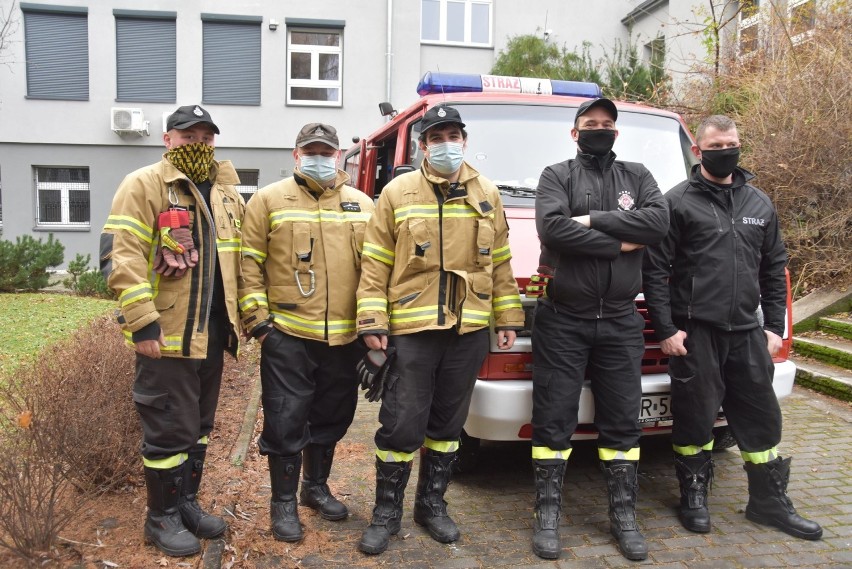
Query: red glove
x=176, y=252
x=537, y=287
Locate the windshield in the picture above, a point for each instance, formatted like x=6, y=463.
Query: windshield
x=511, y=145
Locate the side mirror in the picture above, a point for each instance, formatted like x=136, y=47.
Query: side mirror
x=403, y=169
x=387, y=109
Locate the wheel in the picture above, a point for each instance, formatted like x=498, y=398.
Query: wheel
x=723, y=438
x=467, y=454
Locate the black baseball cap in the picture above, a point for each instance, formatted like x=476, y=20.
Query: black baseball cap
x=605, y=104
x=317, y=132
x=189, y=115
x=440, y=114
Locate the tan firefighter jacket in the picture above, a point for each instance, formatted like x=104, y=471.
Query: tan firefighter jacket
x=129, y=244
x=301, y=258
x=437, y=258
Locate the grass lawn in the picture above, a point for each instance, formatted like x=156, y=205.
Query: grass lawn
x=34, y=320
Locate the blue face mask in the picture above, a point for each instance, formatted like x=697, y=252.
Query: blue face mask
x=319, y=168
x=446, y=157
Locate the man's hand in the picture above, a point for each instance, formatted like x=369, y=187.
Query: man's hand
x=506, y=339
x=626, y=247
x=151, y=348
x=376, y=341
x=584, y=220
x=773, y=342
x=674, y=346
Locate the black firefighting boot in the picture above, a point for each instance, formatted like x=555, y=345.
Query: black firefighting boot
x=284, y=476
x=391, y=478
x=548, y=507
x=695, y=475
x=163, y=526
x=194, y=518
x=768, y=503
x=430, y=508
x=316, y=466
x=623, y=487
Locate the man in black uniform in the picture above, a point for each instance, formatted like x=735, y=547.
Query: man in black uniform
x=593, y=214
x=722, y=258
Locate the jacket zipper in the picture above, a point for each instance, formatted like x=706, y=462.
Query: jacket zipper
x=735, y=244
x=716, y=215
x=442, y=282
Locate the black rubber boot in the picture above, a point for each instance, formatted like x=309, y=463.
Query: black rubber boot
x=695, y=475
x=194, y=518
x=623, y=487
x=548, y=507
x=430, y=508
x=316, y=466
x=391, y=478
x=768, y=503
x=284, y=476
x=163, y=526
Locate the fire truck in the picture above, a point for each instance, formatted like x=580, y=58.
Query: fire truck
x=516, y=127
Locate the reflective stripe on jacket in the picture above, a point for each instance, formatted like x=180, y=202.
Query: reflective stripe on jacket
x=437, y=257
x=129, y=244
x=301, y=258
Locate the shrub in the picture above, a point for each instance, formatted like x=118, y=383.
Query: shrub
x=24, y=264
x=85, y=281
x=68, y=433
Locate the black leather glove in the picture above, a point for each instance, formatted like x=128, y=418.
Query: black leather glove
x=373, y=370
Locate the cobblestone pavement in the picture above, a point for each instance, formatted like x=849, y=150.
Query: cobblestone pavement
x=493, y=506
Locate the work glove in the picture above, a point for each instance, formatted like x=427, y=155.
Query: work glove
x=538, y=282
x=373, y=370
x=176, y=252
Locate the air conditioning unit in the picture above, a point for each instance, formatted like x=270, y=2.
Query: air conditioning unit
x=128, y=120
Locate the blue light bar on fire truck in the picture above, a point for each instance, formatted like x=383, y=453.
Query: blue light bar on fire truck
x=433, y=83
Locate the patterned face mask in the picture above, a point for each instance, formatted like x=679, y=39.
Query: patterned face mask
x=193, y=160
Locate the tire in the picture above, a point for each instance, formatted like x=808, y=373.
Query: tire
x=723, y=438
x=467, y=455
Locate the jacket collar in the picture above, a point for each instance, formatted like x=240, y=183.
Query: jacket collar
x=220, y=172
x=469, y=178
x=592, y=161
x=740, y=179
x=317, y=189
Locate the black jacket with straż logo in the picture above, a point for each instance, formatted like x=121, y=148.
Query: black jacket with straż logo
x=592, y=277
x=723, y=256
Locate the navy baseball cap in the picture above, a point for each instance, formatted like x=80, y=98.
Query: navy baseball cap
x=189, y=115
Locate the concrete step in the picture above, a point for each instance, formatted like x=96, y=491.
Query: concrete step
x=837, y=326
x=828, y=379
x=830, y=350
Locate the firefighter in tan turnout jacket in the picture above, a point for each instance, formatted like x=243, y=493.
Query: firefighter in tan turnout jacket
x=170, y=251
x=301, y=260
x=435, y=271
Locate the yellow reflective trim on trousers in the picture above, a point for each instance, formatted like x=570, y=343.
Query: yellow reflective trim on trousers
x=394, y=456
x=375, y=303
x=545, y=453
x=142, y=291
x=253, y=299
x=613, y=454
x=414, y=314
x=501, y=254
x=441, y=446
x=202, y=441
x=228, y=245
x=476, y=316
x=760, y=457
x=501, y=303
x=692, y=450
x=165, y=463
x=316, y=326
x=258, y=256
x=131, y=224
x=378, y=253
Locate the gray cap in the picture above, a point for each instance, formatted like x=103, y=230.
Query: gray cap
x=317, y=132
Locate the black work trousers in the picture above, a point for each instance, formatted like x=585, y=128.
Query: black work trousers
x=728, y=369
x=428, y=394
x=564, y=348
x=176, y=397
x=310, y=391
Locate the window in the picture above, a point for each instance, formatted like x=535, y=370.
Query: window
x=748, y=40
x=231, y=47
x=146, y=56
x=62, y=196
x=802, y=15
x=460, y=22
x=315, y=64
x=248, y=183
x=352, y=166
x=57, y=52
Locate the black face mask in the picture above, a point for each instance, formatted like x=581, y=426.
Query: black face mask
x=720, y=163
x=598, y=142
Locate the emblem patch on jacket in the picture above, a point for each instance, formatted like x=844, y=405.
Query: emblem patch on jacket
x=350, y=206
x=625, y=200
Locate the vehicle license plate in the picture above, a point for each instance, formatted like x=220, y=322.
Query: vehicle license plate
x=655, y=408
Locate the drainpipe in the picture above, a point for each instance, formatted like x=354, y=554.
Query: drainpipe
x=389, y=53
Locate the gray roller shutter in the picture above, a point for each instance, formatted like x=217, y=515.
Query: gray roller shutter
x=231, y=63
x=146, y=60
x=57, y=51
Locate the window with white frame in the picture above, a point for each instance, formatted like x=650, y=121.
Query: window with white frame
x=314, y=65
x=456, y=22
x=248, y=183
x=802, y=16
x=748, y=30
x=62, y=196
